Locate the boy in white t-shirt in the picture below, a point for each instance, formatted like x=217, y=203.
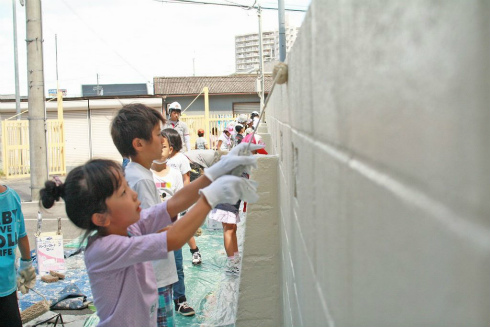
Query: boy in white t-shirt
x=201, y=143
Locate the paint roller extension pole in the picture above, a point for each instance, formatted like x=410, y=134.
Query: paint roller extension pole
x=280, y=74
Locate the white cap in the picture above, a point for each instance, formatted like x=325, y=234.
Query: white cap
x=255, y=112
x=175, y=106
x=242, y=118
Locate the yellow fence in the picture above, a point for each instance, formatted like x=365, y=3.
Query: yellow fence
x=216, y=123
x=15, y=143
x=15, y=140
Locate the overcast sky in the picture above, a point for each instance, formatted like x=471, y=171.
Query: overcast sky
x=132, y=41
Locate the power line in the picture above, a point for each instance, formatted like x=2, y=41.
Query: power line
x=230, y=4
x=104, y=41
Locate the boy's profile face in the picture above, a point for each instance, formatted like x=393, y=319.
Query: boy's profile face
x=153, y=147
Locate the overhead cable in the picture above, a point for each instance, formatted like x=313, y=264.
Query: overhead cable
x=224, y=4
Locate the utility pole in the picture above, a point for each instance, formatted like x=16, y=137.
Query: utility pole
x=98, y=88
x=282, y=31
x=16, y=63
x=37, y=114
x=261, y=60
x=59, y=101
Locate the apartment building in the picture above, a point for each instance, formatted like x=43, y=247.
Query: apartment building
x=247, y=48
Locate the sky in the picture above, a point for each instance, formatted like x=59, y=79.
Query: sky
x=132, y=41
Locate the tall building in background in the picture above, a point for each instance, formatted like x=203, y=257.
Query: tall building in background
x=247, y=48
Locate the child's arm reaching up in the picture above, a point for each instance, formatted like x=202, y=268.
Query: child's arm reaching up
x=188, y=195
x=184, y=228
x=226, y=189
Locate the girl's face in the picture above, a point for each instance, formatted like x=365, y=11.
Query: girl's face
x=166, y=150
x=123, y=209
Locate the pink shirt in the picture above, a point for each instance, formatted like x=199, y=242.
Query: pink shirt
x=121, y=274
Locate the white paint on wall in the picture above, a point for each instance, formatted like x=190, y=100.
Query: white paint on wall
x=382, y=135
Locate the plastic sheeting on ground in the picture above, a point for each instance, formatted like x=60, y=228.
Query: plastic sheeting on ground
x=209, y=290
x=75, y=274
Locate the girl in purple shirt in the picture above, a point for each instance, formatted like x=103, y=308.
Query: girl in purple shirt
x=125, y=239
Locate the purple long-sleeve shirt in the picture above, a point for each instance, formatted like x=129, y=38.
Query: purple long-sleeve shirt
x=121, y=274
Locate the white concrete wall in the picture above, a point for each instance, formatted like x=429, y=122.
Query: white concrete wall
x=259, y=300
x=383, y=138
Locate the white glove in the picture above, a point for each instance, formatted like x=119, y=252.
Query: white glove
x=238, y=156
x=230, y=189
x=26, y=278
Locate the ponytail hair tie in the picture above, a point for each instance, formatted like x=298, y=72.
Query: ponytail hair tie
x=57, y=180
x=58, y=189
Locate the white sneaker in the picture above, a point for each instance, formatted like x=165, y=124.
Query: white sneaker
x=196, y=258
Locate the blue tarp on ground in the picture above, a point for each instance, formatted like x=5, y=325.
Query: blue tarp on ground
x=212, y=293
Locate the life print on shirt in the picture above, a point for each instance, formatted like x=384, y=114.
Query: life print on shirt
x=8, y=237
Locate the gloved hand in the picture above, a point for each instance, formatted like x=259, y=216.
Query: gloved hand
x=230, y=189
x=26, y=278
x=238, y=156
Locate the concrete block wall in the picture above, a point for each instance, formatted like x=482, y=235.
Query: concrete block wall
x=259, y=300
x=382, y=136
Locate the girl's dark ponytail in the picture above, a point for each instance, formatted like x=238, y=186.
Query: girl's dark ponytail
x=85, y=191
x=51, y=192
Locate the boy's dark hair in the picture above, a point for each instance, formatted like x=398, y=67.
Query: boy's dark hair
x=238, y=128
x=134, y=120
x=85, y=191
x=173, y=138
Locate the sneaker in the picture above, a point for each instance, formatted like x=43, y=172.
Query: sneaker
x=183, y=308
x=232, y=270
x=196, y=258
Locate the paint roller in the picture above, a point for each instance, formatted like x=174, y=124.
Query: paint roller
x=35, y=310
x=280, y=75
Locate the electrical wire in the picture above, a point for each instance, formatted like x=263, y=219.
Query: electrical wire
x=224, y=4
x=103, y=41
